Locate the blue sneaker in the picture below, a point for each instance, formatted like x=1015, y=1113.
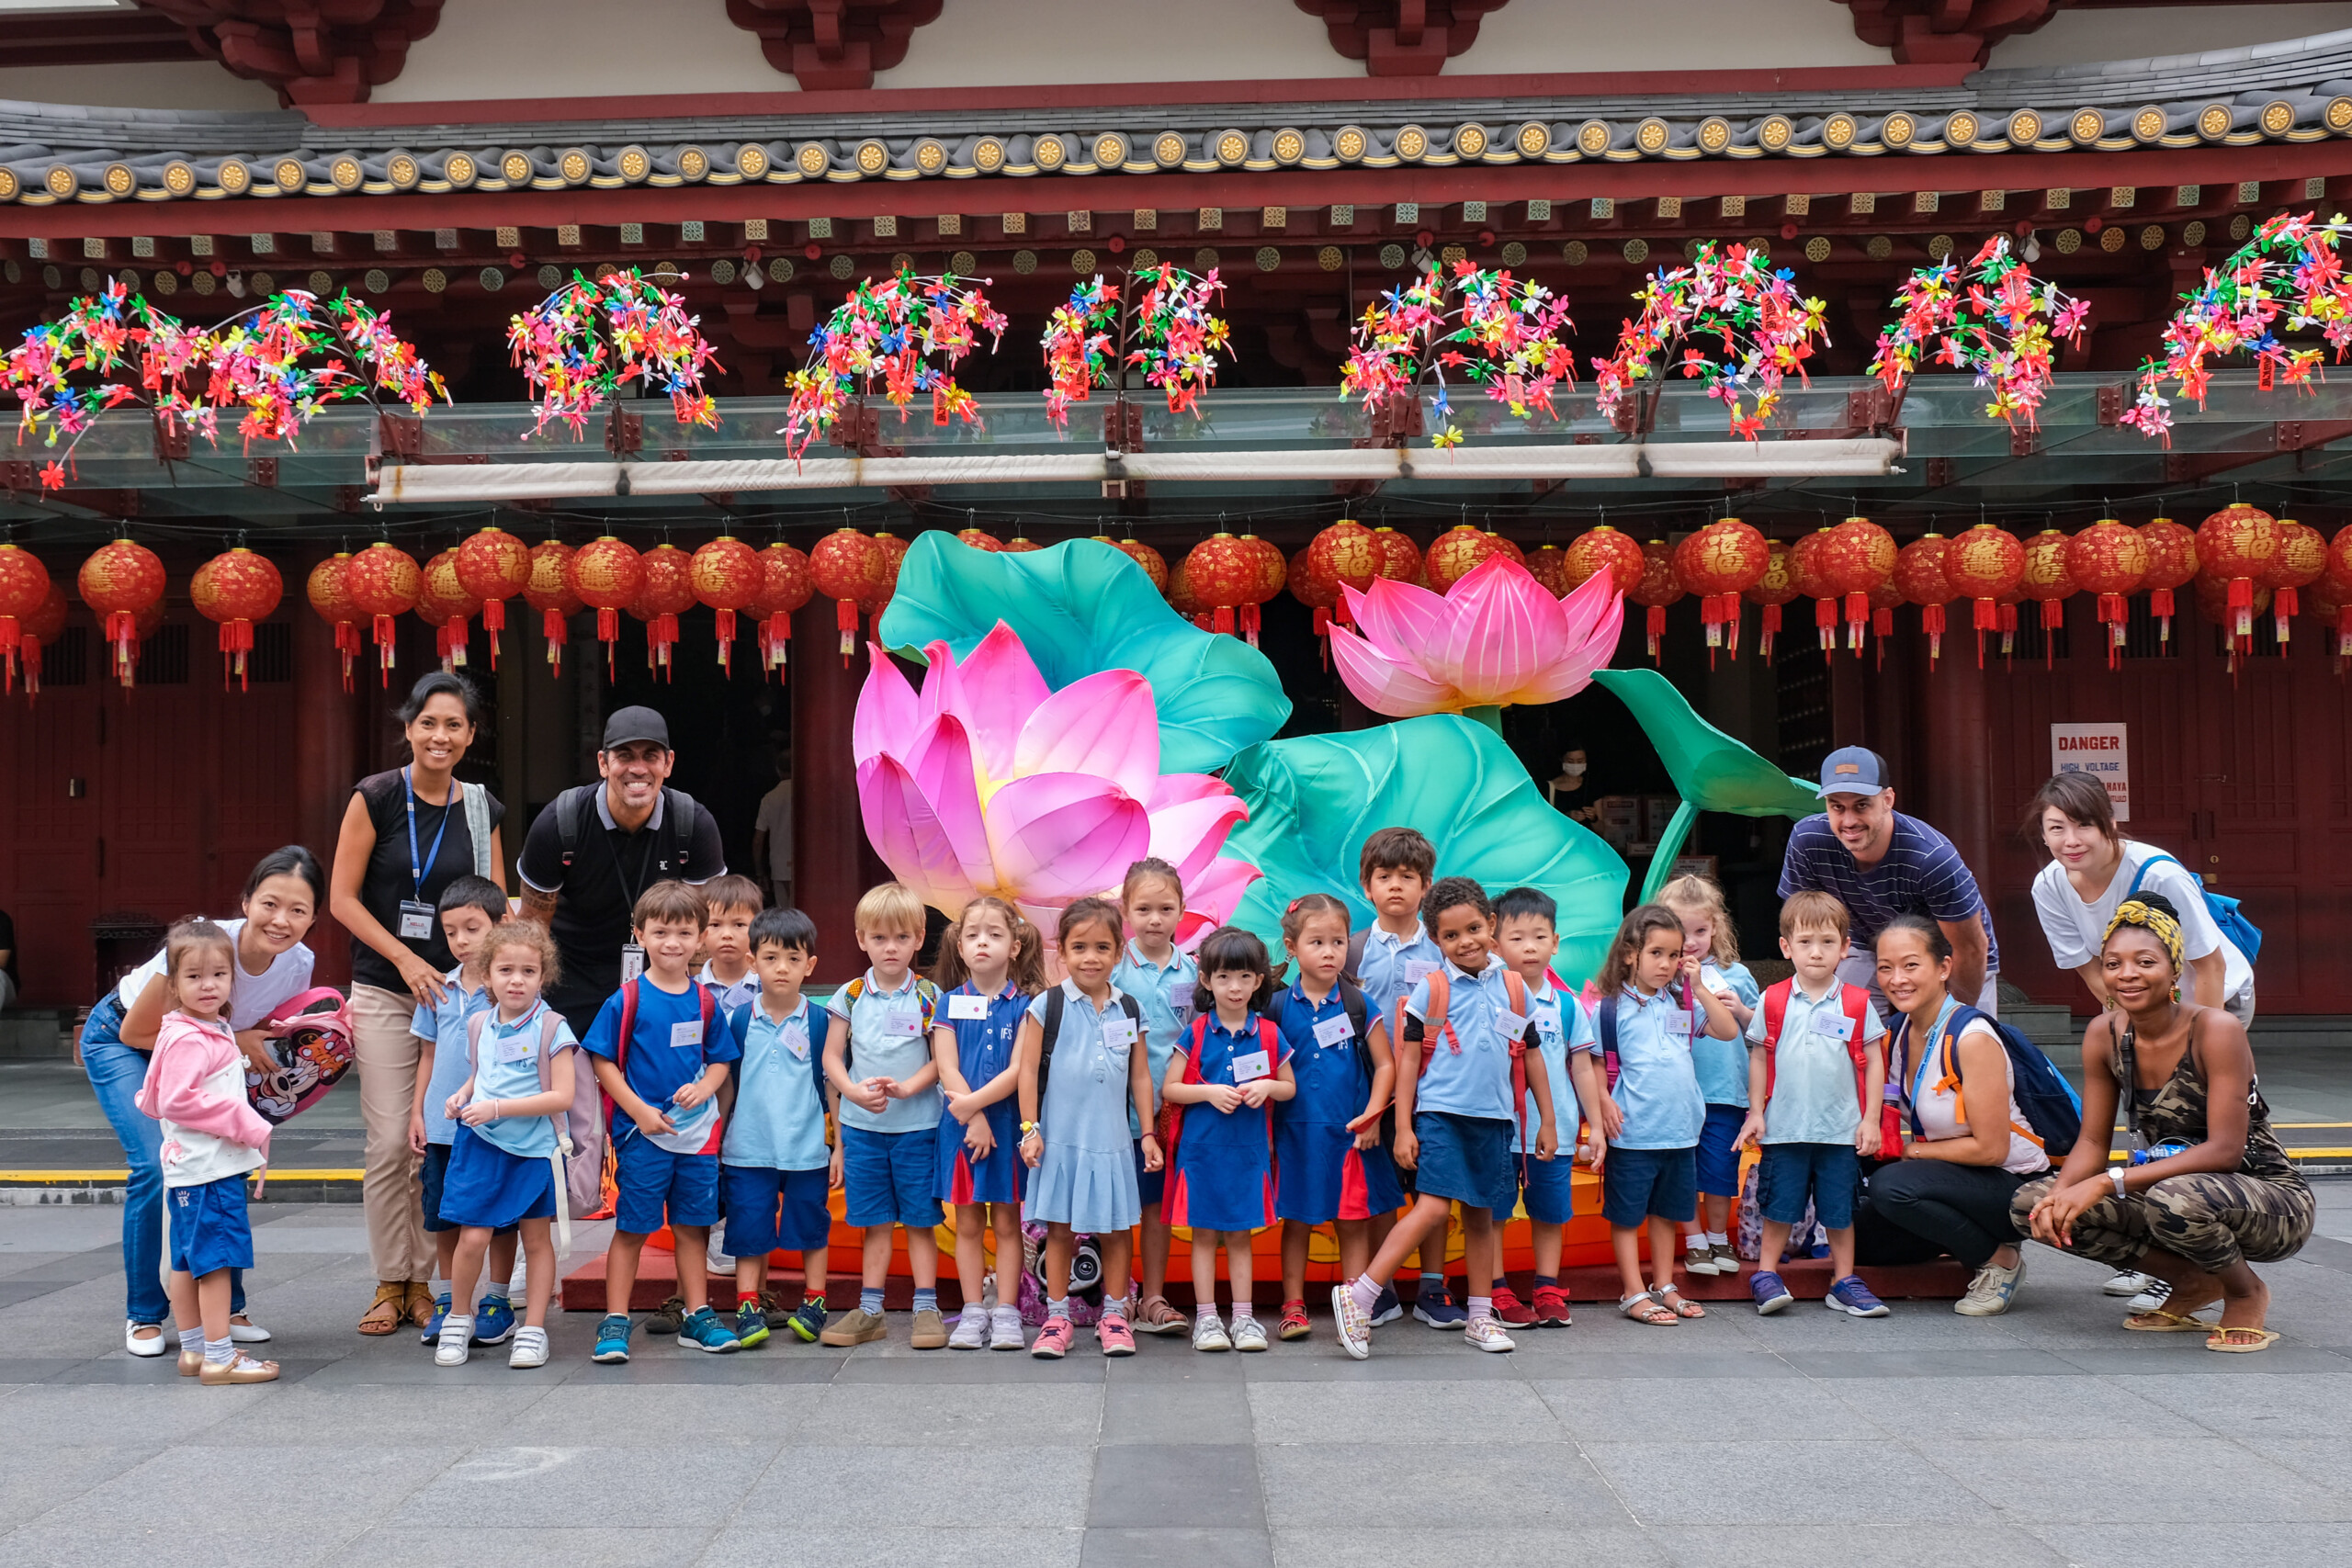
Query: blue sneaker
x=432, y=1332
x=701, y=1329
x=807, y=1321
x=1771, y=1295
x=1850, y=1296
x=612, y=1339
x=1434, y=1305
x=494, y=1320
x=751, y=1325
x=1388, y=1308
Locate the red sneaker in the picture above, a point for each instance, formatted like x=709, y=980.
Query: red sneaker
x=1510, y=1309
x=1293, y=1324
x=1551, y=1307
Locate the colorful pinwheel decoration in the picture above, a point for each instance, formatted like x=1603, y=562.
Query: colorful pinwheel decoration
x=2288, y=267
x=66, y=372
x=1992, y=317
x=1498, y=331
x=890, y=331
x=1164, y=325
x=290, y=356
x=1731, y=299
x=582, y=343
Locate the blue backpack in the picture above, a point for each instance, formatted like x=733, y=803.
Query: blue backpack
x=2244, y=934
x=2053, y=1110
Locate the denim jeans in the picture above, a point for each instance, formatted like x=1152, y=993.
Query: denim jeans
x=115, y=1073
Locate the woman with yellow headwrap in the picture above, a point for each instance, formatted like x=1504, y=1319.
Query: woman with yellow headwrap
x=2215, y=1193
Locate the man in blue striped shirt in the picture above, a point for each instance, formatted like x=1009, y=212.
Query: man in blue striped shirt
x=1881, y=863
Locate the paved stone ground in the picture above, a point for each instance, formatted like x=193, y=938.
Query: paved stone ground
x=2045, y=1437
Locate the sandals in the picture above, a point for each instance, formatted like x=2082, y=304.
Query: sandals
x=385, y=1314
x=1678, y=1306
x=421, y=1304
x=1645, y=1307
x=2157, y=1320
x=2241, y=1341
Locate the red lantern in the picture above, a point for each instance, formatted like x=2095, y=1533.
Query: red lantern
x=236, y=588
x=2172, y=563
x=886, y=577
x=1315, y=589
x=24, y=585
x=2214, y=603
x=1453, y=553
x=2333, y=606
x=1155, y=565
x=1223, y=574
x=383, y=582
x=1658, y=588
x=1504, y=547
x=785, y=586
x=2048, y=582
x=667, y=593
x=1857, y=559
x=1720, y=562
x=445, y=594
x=120, y=582
x=2108, y=559
x=2303, y=555
x=727, y=576
x=1804, y=570
x=1021, y=545
x=2340, y=562
x=434, y=613
x=2235, y=545
x=1181, y=597
x=1984, y=563
x=842, y=566
x=1400, y=558
x=1600, y=548
x=494, y=566
x=1548, y=564
x=1919, y=575
x=1274, y=571
x=1774, y=589
x=607, y=576
x=38, y=631
x=1345, y=553
x=979, y=539
x=549, y=592
x=329, y=591
x=1884, y=600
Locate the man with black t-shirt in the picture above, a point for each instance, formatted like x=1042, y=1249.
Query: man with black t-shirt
x=595, y=848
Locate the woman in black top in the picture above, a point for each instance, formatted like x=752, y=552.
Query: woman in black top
x=407, y=834
x=2218, y=1193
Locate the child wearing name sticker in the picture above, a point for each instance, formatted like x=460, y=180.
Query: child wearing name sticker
x=1528, y=938
x=1721, y=1065
x=1160, y=977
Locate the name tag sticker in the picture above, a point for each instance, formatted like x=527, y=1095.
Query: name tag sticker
x=797, y=1041
x=1833, y=1026
x=1334, y=1032
x=684, y=1034
x=962, y=1005
x=517, y=1048
x=1249, y=1067
x=1509, y=1025
x=632, y=961
x=416, y=920
x=1119, y=1033
x=1418, y=970
x=1677, y=1022
x=905, y=1017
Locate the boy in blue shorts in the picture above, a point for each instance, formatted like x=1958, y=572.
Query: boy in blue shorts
x=773, y=1165
x=468, y=909
x=877, y=1059
x=1815, y=1070
x=1528, y=938
x=660, y=1053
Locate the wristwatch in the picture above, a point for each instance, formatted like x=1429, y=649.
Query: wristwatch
x=2115, y=1174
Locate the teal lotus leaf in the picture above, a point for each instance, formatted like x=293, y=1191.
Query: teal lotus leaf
x=1080, y=607
x=1711, y=770
x=1314, y=800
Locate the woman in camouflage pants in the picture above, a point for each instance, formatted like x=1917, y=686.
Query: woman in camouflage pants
x=2197, y=1218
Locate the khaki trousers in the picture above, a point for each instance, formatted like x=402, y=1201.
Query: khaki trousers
x=390, y=1187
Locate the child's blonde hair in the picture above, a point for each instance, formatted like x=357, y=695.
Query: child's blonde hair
x=194, y=934
x=1027, y=971
x=516, y=933
x=889, y=908
x=1699, y=894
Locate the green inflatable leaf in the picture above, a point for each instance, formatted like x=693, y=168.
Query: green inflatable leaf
x=1314, y=800
x=1711, y=770
x=1083, y=606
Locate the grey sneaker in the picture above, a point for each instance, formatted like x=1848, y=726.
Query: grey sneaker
x=1248, y=1334
x=1208, y=1333
x=971, y=1330
x=1005, y=1329
x=1991, y=1292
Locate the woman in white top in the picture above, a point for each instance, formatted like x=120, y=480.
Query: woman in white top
x=2093, y=868
x=1969, y=1153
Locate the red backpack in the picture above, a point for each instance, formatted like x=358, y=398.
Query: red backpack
x=1855, y=1002
x=609, y=1158
x=1434, y=1024
x=1270, y=1040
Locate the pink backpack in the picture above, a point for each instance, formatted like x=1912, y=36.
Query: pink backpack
x=309, y=1048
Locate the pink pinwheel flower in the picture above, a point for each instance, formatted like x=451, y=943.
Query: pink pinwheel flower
x=988, y=782
x=1496, y=637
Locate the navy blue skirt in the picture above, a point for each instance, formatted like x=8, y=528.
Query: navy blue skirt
x=486, y=1186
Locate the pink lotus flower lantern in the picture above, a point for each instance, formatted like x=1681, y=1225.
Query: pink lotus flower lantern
x=1494, y=639
x=989, y=781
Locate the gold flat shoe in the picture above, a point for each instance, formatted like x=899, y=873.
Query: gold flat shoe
x=242, y=1369
x=191, y=1363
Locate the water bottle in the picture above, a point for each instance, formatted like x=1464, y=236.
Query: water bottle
x=2165, y=1150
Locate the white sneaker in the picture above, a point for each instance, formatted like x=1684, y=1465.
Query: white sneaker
x=1208, y=1333
x=2126, y=1282
x=149, y=1347
x=1248, y=1334
x=971, y=1330
x=530, y=1349
x=1354, y=1325
x=1005, y=1329
x=456, y=1339
x=1701, y=1259
x=1487, y=1334
x=1990, y=1293
x=2149, y=1300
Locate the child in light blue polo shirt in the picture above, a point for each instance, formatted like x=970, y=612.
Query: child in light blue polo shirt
x=773, y=1165
x=468, y=909
x=1708, y=936
x=1385, y=961
x=1651, y=1006
x=1160, y=978
x=1527, y=936
x=877, y=1059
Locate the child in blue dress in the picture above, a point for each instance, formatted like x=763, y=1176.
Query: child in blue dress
x=1224, y=1077
x=1329, y=1163
x=1159, y=976
x=503, y=1160
x=1709, y=936
x=1082, y=1064
x=990, y=963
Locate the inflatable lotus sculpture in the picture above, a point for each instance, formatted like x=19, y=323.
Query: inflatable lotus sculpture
x=1496, y=637
x=987, y=781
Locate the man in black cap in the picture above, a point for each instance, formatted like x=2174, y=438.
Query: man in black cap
x=597, y=847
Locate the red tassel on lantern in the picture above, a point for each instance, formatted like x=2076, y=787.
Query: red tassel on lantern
x=1656, y=626
x=1824, y=622
x=1931, y=621
x=1771, y=627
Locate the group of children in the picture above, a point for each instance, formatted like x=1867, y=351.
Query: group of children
x=1429, y=1062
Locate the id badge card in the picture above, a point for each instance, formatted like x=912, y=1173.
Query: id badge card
x=1833, y=1026
x=1119, y=1035
x=1333, y=1032
x=906, y=1017
x=416, y=920
x=685, y=1037
x=796, y=1040
x=962, y=1005
x=632, y=961
x=1509, y=1025
x=517, y=1048
x=1418, y=970
x=1249, y=1067
x=1678, y=1022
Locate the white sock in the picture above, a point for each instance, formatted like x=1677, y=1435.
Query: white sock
x=1719, y=1238
x=191, y=1340
x=1693, y=1240
x=220, y=1352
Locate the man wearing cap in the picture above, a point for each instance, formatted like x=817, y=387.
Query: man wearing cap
x=1881, y=863
x=597, y=847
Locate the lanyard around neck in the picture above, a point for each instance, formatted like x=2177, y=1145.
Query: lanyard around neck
x=415, y=866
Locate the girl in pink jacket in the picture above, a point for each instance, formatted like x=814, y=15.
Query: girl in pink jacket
x=212, y=1138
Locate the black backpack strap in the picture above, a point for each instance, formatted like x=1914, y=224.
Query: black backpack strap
x=1050, y=1030
x=678, y=820
x=1358, y=1009
x=570, y=810
x=1351, y=972
x=2127, y=1070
